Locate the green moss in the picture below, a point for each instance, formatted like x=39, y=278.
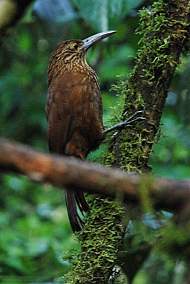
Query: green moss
x=174, y=239
x=99, y=240
x=163, y=30
x=145, y=194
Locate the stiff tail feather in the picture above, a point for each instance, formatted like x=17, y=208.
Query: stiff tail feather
x=75, y=202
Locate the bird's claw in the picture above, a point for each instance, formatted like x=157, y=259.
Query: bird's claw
x=127, y=122
x=134, y=117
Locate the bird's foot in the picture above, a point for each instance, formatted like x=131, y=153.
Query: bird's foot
x=135, y=117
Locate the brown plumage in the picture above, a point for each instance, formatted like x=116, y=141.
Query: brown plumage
x=74, y=110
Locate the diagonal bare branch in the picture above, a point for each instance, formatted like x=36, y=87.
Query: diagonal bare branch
x=93, y=178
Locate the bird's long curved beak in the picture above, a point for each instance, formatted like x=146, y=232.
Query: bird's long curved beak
x=89, y=41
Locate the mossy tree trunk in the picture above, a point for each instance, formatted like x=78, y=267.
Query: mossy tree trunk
x=164, y=30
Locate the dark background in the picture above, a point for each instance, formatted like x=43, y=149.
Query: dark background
x=36, y=243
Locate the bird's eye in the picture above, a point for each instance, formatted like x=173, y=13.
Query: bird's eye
x=75, y=46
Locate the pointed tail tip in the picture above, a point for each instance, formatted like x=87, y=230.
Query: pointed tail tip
x=76, y=206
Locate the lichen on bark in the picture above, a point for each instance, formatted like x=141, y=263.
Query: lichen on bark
x=164, y=29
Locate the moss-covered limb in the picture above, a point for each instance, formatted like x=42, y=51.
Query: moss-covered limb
x=164, y=31
x=99, y=242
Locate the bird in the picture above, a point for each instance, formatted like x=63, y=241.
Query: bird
x=74, y=111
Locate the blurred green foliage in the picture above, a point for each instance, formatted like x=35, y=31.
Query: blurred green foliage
x=36, y=244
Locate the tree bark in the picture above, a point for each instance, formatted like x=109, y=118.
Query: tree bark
x=75, y=174
x=164, y=30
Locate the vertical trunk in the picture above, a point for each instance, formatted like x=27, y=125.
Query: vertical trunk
x=164, y=30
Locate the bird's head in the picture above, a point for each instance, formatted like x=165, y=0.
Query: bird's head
x=71, y=52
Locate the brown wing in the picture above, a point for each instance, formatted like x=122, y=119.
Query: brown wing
x=74, y=113
x=65, y=102
x=59, y=123
x=59, y=117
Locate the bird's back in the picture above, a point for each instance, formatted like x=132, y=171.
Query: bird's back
x=75, y=126
x=74, y=111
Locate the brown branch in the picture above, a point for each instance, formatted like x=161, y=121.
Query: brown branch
x=164, y=34
x=73, y=173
